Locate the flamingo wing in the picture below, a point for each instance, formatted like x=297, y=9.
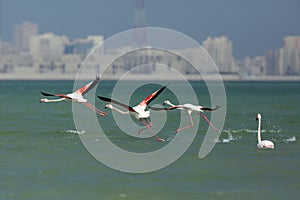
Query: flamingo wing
x=47, y=94
x=210, y=109
x=55, y=95
x=83, y=90
x=152, y=96
x=116, y=102
x=159, y=109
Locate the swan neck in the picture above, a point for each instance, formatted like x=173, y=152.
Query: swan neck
x=258, y=131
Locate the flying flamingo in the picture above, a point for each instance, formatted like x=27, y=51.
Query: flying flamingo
x=265, y=144
x=190, y=108
x=139, y=111
x=76, y=96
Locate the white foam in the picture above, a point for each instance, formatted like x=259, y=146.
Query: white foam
x=291, y=139
x=242, y=130
x=254, y=131
x=75, y=131
x=228, y=139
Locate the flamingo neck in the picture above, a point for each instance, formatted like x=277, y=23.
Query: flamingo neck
x=120, y=111
x=54, y=100
x=170, y=104
x=258, y=131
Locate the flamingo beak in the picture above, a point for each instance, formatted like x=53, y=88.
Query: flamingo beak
x=256, y=118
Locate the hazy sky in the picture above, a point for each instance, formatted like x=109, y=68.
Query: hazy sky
x=252, y=25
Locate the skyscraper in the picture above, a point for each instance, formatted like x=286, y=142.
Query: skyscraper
x=22, y=34
x=272, y=58
x=290, y=55
x=220, y=49
x=47, y=47
x=140, y=33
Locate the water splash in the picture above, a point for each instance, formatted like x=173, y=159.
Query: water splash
x=245, y=130
x=75, y=131
x=290, y=139
x=228, y=139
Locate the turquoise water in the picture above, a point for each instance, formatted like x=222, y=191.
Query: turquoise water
x=42, y=157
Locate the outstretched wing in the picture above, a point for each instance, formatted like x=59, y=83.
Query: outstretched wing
x=160, y=109
x=47, y=94
x=83, y=90
x=55, y=95
x=211, y=109
x=152, y=96
x=116, y=102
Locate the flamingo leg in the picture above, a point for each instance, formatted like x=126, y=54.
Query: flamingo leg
x=93, y=108
x=189, y=126
x=148, y=126
x=209, y=123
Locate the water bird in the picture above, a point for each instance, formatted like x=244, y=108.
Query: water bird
x=76, y=96
x=190, y=108
x=139, y=111
x=265, y=144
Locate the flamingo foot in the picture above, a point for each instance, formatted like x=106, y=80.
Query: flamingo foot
x=160, y=140
x=183, y=128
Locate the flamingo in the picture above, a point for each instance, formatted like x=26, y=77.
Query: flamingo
x=190, y=108
x=139, y=111
x=265, y=144
x=76, y=96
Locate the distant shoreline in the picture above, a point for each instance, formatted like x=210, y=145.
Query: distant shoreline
x=143, y=77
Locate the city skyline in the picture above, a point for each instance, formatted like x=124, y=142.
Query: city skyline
x=48, y=52
x=252, y=27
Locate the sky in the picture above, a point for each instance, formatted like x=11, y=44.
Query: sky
x=253, y=26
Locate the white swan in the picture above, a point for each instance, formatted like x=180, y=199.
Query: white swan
x=265, y=144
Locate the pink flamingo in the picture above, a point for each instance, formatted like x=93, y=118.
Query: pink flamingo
x=190, y=108
x=76, y=96
x=139, y=111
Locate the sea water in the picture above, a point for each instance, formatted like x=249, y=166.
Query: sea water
x=42, y=156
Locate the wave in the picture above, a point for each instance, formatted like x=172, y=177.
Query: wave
x=245, y=130
x=291, y=139
x=75, y=131
x=228, y=138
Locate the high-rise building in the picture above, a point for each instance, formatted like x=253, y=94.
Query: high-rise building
x=23, y=33
x=96, y=40
x=272, y=58
x=140, y=33
x=290, y=55
x=84, y=45
x=47, y=47
x=78, y=46
x=220, y=49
